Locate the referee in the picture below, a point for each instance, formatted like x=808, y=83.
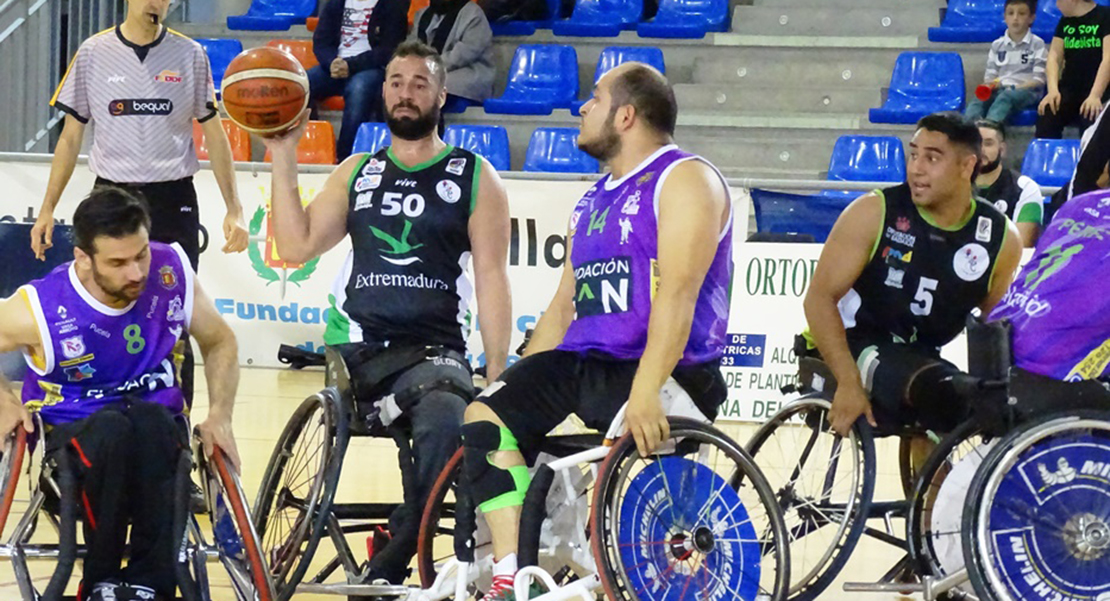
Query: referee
x=141, y=86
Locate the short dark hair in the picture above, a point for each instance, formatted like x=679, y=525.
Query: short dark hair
x=648, y=91
x=421, y=50
x=108, y=211
x=960, y=130
x=992, y=124
x=1032, y=4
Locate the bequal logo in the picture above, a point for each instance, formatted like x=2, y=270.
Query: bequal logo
x=266, y=265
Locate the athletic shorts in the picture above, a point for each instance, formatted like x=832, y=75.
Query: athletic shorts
x=538, y=392
x=887, y=370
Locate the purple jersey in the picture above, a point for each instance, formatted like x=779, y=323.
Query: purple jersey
x=1060, y=302
x=95, y=355
x=614, y=255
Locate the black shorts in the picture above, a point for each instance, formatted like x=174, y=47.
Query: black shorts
x=887, y=370
x=538, y=392
x=174, y=214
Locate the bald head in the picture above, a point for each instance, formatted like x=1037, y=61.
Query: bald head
x=645, y=89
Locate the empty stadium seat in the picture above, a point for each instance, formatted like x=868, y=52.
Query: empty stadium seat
x=302, y=51
x=1051, y=162
x=542, y=78
x=555, y=149
x=372, y=137
x=971, y=21
x=865, y=159
x=1026, y=117
x=273, y=15
x=317, y=147
x=686, y=19
x=220, y=51
x=615, y=55
x=238, y=137
x=600, y=18
x=922, y=83
x=527, y=28
x=782, y=213
x=489, y=141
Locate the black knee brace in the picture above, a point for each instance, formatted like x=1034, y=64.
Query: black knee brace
x=491, y=486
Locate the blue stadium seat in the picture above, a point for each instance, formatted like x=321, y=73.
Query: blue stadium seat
x=542, y=78
x=458, y=104
x=220, y=51
x=372, y=137
x=555, y=149
x=1025, y=118
x=489, y=141
x=600, y=18
x=866, y=159
x=782, y=213
x=690, y=19
x=527, y=28
x=615, y=55
x=1051, y=162
x=1048, y=16
x=273, y=15
x=971, y=21
x=922, y=83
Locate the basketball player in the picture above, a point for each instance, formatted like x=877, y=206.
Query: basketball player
x=98, y=335
x=416, y=212
x=663, y=220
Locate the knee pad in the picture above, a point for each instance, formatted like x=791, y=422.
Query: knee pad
x=491, y=486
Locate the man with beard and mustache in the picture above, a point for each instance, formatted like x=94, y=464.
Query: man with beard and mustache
x=98, y=335
x=417, y=212
x=640, y=313
x=1015, y=195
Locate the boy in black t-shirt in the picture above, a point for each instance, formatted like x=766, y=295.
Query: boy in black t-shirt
x=1078, y=70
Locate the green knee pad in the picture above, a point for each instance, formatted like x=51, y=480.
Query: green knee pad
x=492, y=487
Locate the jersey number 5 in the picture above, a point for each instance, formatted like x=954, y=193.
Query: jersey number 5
x=923, y=301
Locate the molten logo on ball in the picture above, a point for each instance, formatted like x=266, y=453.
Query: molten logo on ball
x=263, y=91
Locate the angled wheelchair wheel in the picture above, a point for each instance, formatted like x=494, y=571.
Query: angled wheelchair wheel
x=298, y=487
x=435, y=545
x=697, y=519
x=934, y=523
x=1038, y=522
x=234, y=533
x=824, y=485
x=11, y=463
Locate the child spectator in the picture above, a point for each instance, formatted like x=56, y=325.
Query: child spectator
x=1015, y=66
x=1078, y=70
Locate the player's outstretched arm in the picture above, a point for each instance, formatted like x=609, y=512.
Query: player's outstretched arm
x=221, y=370
x=489, y=246
x=61, y=169
x=1005, y=267
x=223, y=167
x=846, y=252
x=553, y=324
x=18, y=331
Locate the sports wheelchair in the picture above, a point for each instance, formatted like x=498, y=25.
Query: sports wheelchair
x=695, y=516
x=53, y=499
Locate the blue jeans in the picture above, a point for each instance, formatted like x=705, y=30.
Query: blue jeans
x=362, y=97
x=1002, y=105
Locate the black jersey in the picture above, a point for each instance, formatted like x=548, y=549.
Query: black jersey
x=407, y=276
x=922, y=280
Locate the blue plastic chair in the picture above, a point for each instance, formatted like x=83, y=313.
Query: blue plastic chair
x=489, y=141
x=555, y=150
x=371, y=137
x=616, y=55
x=542, y=78
x=527, y=28
x=690, y=19
x=220, y=51
x=1025, y=118
x=971, y=21
x=922, y=83
x=273, y=15
x=1048, y=16
x=600, y=18
x=1051, y=162
x=782, y=213
x=866, y=159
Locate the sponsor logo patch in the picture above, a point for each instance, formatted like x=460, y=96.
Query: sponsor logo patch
x=125, y=107
x=971, y=262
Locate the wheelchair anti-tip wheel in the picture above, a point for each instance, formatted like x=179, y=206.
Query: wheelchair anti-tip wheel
x=824, y=485
x=1038, y=523
x=698, y=520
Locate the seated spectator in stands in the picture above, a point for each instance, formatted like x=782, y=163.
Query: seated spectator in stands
x=1017, y=196
x=353, y=41
x=1015, y=66
x=1078, y=69
x=459, y=31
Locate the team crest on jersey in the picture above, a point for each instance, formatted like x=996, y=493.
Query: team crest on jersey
x=983, y=229
x=971, y=262
x=449, y=191
x=373, y=166
x=79, y=373
x=167, y=276
x=176, y=310
x=73, y=347
x=902, y=224
x=456, y=166
x=643, y=179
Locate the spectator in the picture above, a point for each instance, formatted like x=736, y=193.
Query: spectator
x=1078, y=69
x=1015, y=195
x=459, y=31
x=1015, y=66
x=353, y=41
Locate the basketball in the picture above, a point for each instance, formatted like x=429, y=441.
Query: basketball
x=264, y=90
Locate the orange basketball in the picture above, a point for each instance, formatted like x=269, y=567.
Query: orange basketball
x=264, y=90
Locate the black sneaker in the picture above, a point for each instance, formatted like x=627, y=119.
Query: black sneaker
x=197, y=503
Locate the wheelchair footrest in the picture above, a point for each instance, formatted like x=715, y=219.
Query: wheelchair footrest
x=368, y=590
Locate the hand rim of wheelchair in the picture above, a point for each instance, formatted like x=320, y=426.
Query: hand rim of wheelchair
x=612, y=573
x=982, y=570
x=815, y=581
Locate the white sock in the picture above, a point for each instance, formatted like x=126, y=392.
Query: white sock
x=506, y=566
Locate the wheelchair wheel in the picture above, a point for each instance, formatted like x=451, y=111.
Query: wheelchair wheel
x=933, y=525
x=824, y=485
x=11, y=463
x=298, y=488
x=234, y=533
x=437, y=526
x=1038, y=524
x=700, y=519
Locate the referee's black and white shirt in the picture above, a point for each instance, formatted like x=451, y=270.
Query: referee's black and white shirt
x=141, y=101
